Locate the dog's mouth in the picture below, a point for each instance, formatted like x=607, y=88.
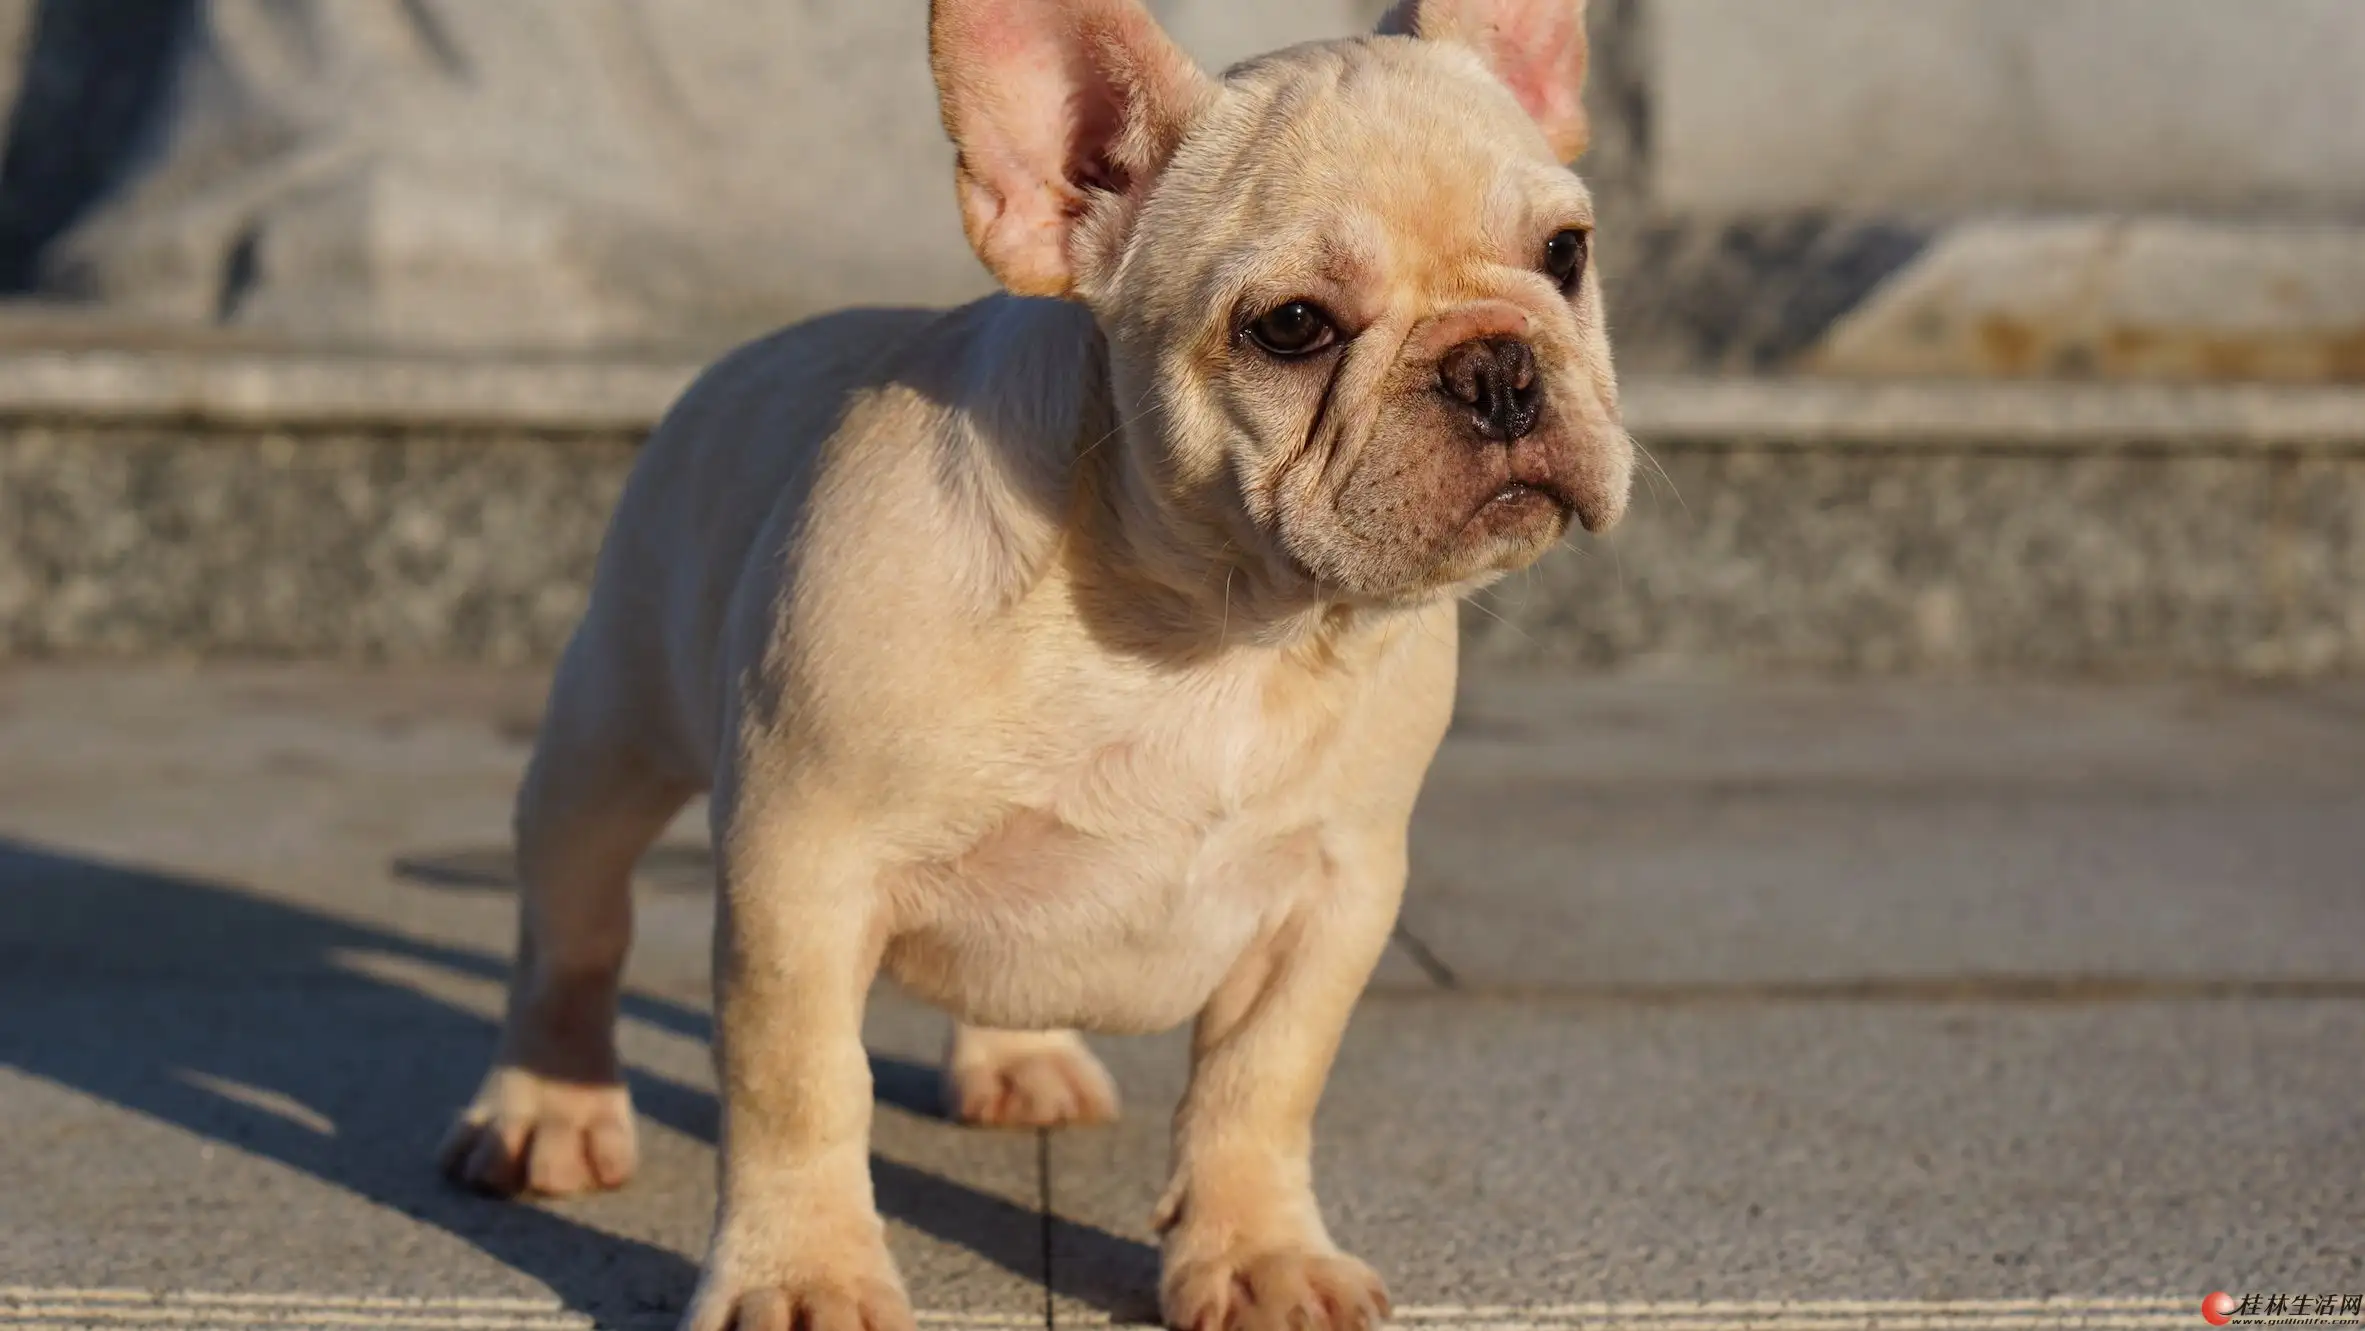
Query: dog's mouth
x=1518, y=501
x=1518, y=515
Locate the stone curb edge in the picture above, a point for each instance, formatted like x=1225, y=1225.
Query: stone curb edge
x=2008, y=414
x=251, y=389
x=248, y=389
x=111, y=1308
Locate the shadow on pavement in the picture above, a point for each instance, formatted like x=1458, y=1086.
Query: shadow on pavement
x=387, y=1066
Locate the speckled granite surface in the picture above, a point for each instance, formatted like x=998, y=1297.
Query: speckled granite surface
x=1982, y=560
x=396, y=545
x=419, y=543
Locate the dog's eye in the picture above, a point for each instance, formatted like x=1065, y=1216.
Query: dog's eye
x=1299, y=328
x=1564, y=257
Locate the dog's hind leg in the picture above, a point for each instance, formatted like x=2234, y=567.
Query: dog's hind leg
x=1025, y=1079
x=553, y=1116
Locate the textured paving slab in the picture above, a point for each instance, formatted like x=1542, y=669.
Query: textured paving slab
x=1491, y=1152
x=1675, y=836
x=256, y=922
x=231, y=1034
x=1689, y=1066
x=230, y=1136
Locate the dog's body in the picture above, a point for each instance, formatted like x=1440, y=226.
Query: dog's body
x=1076, y=834
x=1075, y=663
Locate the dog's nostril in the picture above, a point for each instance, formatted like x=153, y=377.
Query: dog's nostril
x=1517, y=364
x=1496, y=379
x=1467, y=372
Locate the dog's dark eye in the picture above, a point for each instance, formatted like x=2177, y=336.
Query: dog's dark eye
x=1564, y=257
x=1299, y=328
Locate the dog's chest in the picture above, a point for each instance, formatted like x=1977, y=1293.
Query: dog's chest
x=1128, y=871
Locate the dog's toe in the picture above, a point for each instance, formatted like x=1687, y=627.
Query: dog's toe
x=526, y=1134
x=859, y=1293
x=1280, y=1290
x=1027, y=1079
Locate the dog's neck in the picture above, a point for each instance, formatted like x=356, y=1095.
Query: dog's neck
x=1195, y=577
x=1055, y=470
x=1177, y=585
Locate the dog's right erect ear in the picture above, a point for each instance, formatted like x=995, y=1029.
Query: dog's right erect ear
x=1062, y=111
x=1536, y=47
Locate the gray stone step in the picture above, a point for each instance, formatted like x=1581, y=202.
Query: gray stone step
x=198, y=499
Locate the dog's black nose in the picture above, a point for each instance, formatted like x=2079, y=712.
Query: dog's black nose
x=1496, y=378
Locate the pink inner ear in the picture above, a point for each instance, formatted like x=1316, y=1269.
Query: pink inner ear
x=1538, y=50
x=1536, y=47
x=1095, y=116
x=1552, y=98
x=1051, y=102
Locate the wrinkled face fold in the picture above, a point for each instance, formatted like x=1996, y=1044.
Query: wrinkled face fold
x=1362, y=298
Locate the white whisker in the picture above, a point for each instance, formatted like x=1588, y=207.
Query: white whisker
x=1140, y=410
x=1661, y=468
x=1223, y=631
x=1482, y=608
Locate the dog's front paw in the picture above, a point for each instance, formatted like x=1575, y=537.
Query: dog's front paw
x=1026, y=1079
x=1273, y=1289
x=528, y=1133
x=857, y=1300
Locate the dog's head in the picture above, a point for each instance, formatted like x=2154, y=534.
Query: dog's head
x=1354, y=329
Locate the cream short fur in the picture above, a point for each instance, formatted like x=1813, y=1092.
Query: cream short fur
x=1074, y=658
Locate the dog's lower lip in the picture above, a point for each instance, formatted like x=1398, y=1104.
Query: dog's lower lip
x=1516, y=491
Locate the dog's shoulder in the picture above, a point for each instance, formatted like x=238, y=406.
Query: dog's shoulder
x=950, y=451
x=800, y=375
x=744, y=437
x=876, y=479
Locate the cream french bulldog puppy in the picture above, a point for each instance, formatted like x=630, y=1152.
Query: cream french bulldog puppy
x=1074, y=657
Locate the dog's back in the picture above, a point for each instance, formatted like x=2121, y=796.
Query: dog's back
x=743, y=443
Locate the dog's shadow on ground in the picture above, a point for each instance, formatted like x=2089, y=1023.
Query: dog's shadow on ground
x=387, y=1066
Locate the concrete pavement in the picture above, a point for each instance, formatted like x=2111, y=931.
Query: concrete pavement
x=1718, y=1005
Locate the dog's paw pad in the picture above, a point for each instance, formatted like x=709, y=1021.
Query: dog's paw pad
x=527, y=1134
x=1284, y=1290
x=1045, y=1085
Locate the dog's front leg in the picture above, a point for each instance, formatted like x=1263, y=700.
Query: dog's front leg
x=1245, y=1247
x=798, y=1241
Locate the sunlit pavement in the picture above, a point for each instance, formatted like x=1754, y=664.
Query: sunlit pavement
x=1717, y=1005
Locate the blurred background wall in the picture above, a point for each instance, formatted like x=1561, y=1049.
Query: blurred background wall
x=2137, y=187
x=1981, y=335
x=525, y=173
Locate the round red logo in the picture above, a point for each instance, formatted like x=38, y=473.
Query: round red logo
x=2218, y=1308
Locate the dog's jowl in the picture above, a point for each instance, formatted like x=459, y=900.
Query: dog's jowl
x=1074, y=658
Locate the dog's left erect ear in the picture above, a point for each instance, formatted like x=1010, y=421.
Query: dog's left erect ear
x=1536, y=47
x=1062, y=111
